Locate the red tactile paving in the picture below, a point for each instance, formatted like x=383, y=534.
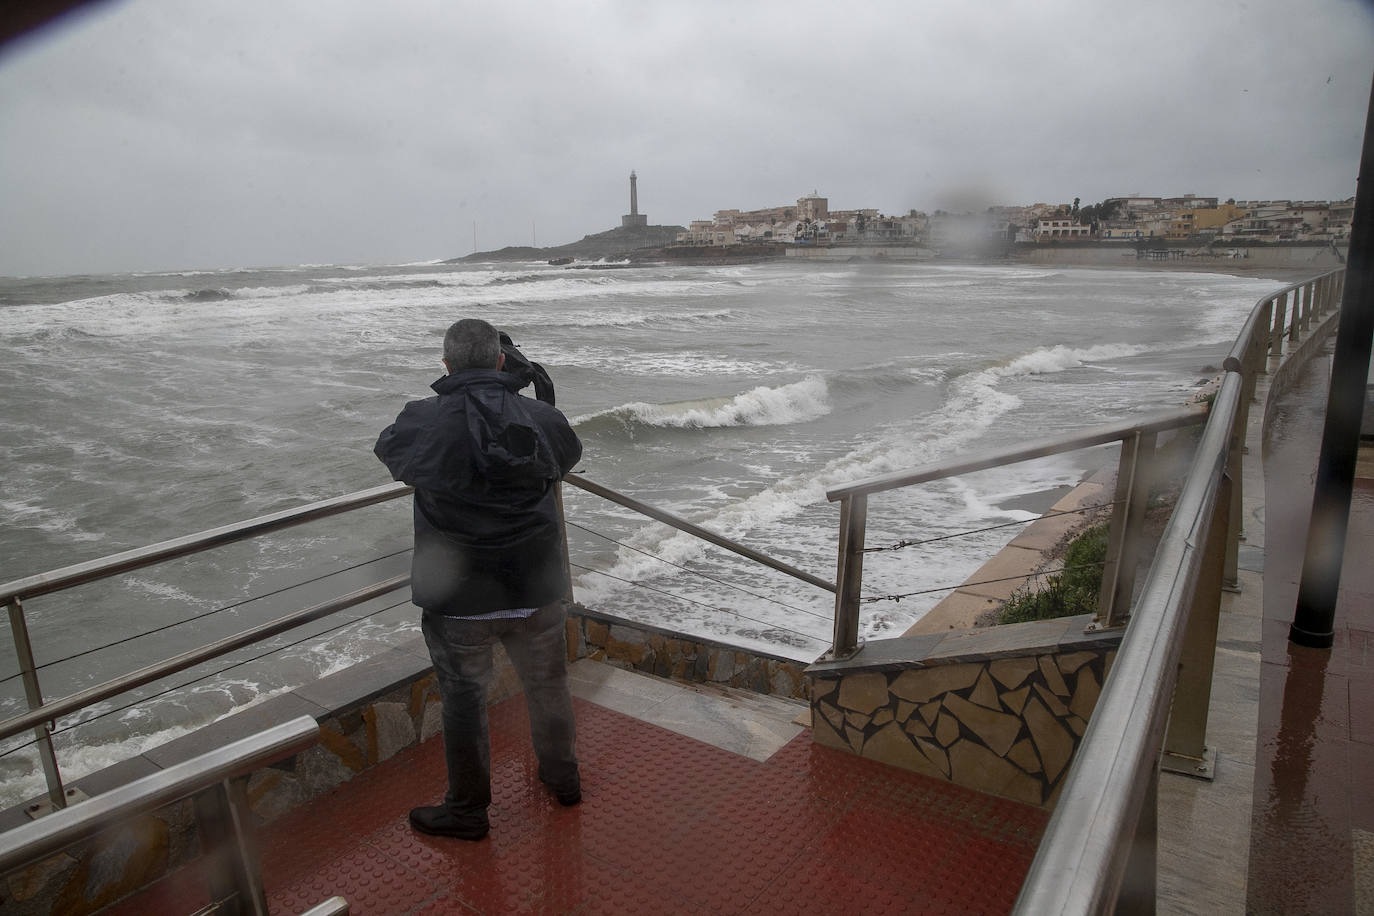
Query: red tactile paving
x=667, y=825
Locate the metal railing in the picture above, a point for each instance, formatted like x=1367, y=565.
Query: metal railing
x=217, y=780
x=42, y=715
x=1135, y=474
x=1098, y=851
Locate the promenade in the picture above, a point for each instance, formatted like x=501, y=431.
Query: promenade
x=1287, y=824
x=714, y=800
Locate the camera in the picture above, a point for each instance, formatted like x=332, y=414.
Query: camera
x=516, y=364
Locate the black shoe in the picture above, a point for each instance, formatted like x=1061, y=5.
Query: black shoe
x=568, y=794
x=438, y=820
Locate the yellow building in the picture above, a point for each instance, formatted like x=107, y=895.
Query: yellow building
x=1215, y=217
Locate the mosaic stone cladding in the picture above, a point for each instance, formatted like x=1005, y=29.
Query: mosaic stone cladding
x=1006, y=726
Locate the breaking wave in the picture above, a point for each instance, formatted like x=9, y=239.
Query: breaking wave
x=762, y=406
x=974, y=402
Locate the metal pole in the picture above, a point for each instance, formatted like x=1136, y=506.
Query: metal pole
x=1314, y=616
x=34, y=694
x=849, y=575
x=1276, y=333
x=1125, y=534
x=228, y=846
x=1185, y=744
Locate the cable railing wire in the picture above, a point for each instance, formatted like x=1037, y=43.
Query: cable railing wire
x=210, y=613
x=207, y=676
x=950, y=588
x=902, y=545
x=711, y=607
x=697, y=572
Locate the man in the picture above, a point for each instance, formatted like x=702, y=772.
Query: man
x=485, y=463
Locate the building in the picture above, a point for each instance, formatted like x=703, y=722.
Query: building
x=1060, y=227
x=703, y=232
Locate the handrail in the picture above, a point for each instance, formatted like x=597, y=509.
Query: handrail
x=1084, y=856
x=140, y=557
x=682, y=524
x=1244, y=339
x=146, y=675
x=1125, y=533
x=82, y=573
x=1084, y=439
x=1083, y=853
x=54, y=832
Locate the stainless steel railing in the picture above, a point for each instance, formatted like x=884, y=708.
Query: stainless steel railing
x=42, y=714
x=217, y=780
x=1098, y=850
x=1125, y=542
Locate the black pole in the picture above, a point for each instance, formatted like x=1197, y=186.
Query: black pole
x=1314, y=617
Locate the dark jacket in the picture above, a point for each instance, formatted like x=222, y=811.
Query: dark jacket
x=484, y=462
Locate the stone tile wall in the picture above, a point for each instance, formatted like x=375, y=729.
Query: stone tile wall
x=640, y=647
x=974, y=709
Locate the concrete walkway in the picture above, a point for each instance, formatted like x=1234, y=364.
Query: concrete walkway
x=1288, y=823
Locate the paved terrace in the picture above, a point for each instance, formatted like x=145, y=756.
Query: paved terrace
x=701, y=800
x=694, y=801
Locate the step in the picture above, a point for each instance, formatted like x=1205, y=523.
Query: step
x=733, y=719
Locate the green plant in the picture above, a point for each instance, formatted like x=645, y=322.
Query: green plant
x=1071, y=591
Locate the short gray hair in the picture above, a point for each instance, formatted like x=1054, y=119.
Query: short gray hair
x=472, y=344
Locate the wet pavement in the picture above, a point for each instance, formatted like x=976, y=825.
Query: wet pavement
x=668, y=824
x=1312, y=831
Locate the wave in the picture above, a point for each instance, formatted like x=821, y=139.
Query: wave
x=661, y=363
x=974, y=403
x=1049, y=360
x=602, y=318
x=798, y=402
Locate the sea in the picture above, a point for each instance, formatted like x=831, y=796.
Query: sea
x=137, y=408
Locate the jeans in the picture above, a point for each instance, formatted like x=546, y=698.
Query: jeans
x=461, y=652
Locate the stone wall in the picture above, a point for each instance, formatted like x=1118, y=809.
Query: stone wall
x=998, y=710
x=1316, y=257
x=641, y=647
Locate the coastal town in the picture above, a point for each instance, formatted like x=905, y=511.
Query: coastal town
x=1188, y=228
x=1132, y=219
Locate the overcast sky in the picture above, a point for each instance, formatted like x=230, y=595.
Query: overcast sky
x=172, y=134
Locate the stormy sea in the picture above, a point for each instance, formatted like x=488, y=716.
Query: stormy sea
x=140, y=408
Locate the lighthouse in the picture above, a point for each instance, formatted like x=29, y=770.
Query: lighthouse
x=634, y=219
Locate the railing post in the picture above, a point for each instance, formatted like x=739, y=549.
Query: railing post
x=234, y=871
x=1278, y=327
x=1125, y=535
x=849, y=575
x=1185, y=745
x=1235, y=455
x=1140, y=881
x=34, y=695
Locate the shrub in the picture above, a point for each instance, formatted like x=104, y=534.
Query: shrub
x=1072, y=591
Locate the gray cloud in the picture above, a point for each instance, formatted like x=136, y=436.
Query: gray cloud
x=154, y=134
